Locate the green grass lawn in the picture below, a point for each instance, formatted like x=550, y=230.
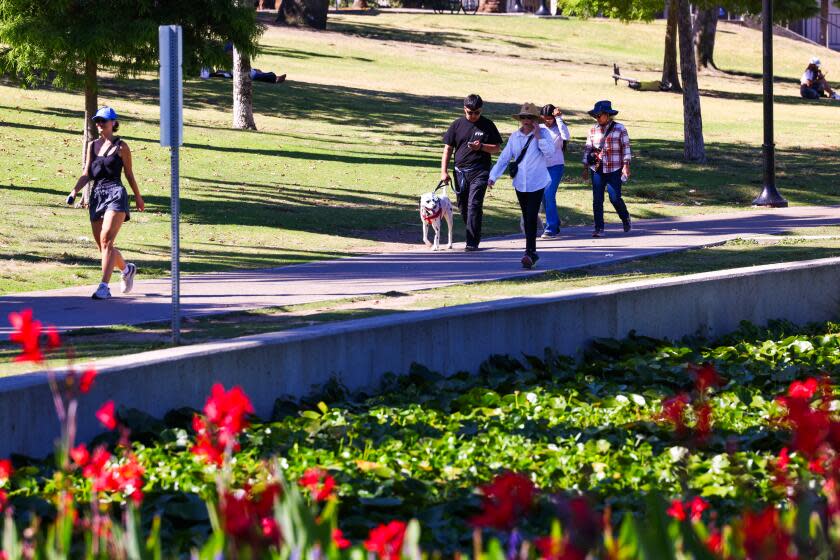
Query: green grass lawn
x=93, y=344
x=349, y=142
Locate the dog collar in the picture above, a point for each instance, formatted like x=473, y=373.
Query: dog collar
x=432, y=217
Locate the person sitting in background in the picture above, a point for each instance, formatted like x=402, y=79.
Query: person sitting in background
x=813, y=84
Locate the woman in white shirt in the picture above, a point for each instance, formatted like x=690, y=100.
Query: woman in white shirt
x=530, y=147
x=555, y=130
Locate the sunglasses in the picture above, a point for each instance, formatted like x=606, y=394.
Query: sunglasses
x=100, y=121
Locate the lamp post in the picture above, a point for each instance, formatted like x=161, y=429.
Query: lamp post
x=769, y=195
x=543, y=9
x=517, y=7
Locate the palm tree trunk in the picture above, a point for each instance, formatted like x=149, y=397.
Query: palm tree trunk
x=705, y=29
x=243, y=92
x=670, y=72
x=695, y=149
x=91, y=106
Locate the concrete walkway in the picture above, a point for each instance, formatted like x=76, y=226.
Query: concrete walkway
x=418, y=269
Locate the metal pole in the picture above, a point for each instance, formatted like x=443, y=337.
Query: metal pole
x=174, y=194
x=769, y=195
x=543, y=9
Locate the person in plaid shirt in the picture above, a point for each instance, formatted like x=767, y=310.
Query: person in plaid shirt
x=607, y=162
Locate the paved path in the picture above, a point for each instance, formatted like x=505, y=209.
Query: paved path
x=410, y=270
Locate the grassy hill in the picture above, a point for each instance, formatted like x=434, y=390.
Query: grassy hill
x=349, y=142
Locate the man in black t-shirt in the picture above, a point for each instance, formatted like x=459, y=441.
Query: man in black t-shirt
x=473, y=138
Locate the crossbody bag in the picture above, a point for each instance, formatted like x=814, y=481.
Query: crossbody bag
x=596, y=159
x=513, y=167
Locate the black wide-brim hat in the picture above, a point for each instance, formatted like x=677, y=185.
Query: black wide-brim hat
x=604, y=106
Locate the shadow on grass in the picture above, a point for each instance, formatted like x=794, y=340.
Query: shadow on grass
x=380, y=33
x=759, y=98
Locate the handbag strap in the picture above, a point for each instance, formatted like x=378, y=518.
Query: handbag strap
x=604, y=137
x=524, y=149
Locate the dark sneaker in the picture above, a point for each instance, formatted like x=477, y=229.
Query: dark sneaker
x=626, y=223
x=127, y=280
x=534, y=258
x=598, y=233
x=470, y=248
x=102, y=292
x=527, y=262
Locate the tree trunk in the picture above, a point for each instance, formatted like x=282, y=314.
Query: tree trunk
x=824, y=7
x=670, y=73
x=243, y=92
x=91, y=106
x=705, y=29
x=310, y=13
x=695, y=149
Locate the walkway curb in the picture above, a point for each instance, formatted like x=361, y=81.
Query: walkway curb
x=360, y=352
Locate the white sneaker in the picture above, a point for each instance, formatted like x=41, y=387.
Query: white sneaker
x=127, y=280
x=102, y=292
x=835, y=96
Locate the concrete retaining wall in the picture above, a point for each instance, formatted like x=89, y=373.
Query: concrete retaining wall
x=446, y=340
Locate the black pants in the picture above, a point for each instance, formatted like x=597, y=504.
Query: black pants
x=530, y=203
x=471, y=200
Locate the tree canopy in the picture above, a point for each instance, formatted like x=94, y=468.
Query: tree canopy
x=53, y=40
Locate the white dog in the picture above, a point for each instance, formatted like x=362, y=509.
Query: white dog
x=432, y=209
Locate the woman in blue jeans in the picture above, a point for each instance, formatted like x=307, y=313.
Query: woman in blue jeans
x=555, y=130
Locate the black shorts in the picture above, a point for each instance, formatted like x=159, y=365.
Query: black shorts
x=108, y=197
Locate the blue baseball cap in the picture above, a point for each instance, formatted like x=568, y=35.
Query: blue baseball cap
x=105, y=113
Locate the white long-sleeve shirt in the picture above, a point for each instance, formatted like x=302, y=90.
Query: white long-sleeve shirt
x=533, y=172
x=559, y=133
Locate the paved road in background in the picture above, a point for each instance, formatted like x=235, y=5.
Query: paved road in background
x=416, y=269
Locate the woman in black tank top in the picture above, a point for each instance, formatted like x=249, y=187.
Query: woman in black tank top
x=107, y=159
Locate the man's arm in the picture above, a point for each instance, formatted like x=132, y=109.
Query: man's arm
x=444, y=163
x=492, y=149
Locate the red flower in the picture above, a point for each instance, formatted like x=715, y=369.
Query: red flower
x=86, y=381
x=6, y=471
x=338, y=539
x=53, y=340
x=225, y=418
x=204, y=448
x=705, y=377
x=694, y=508
x=764, y=538
x=249, y=518
x=227, y=409
x=704, y=420
x=677, y=510
x=125, y=477
x=4, y=500
x=270, y=529
x=80, y=455
x=715, y=542
x=673, y=411
x=97, y=462
x=27, y=333
x=387, y=540
x=803, y=389
x=505, y=500
x=551, y=548
x=697, y=506
x=107, y=416
x=319, y=483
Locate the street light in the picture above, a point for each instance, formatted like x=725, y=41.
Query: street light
x=517, y=7
x=769, y=195
x=543, y=10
